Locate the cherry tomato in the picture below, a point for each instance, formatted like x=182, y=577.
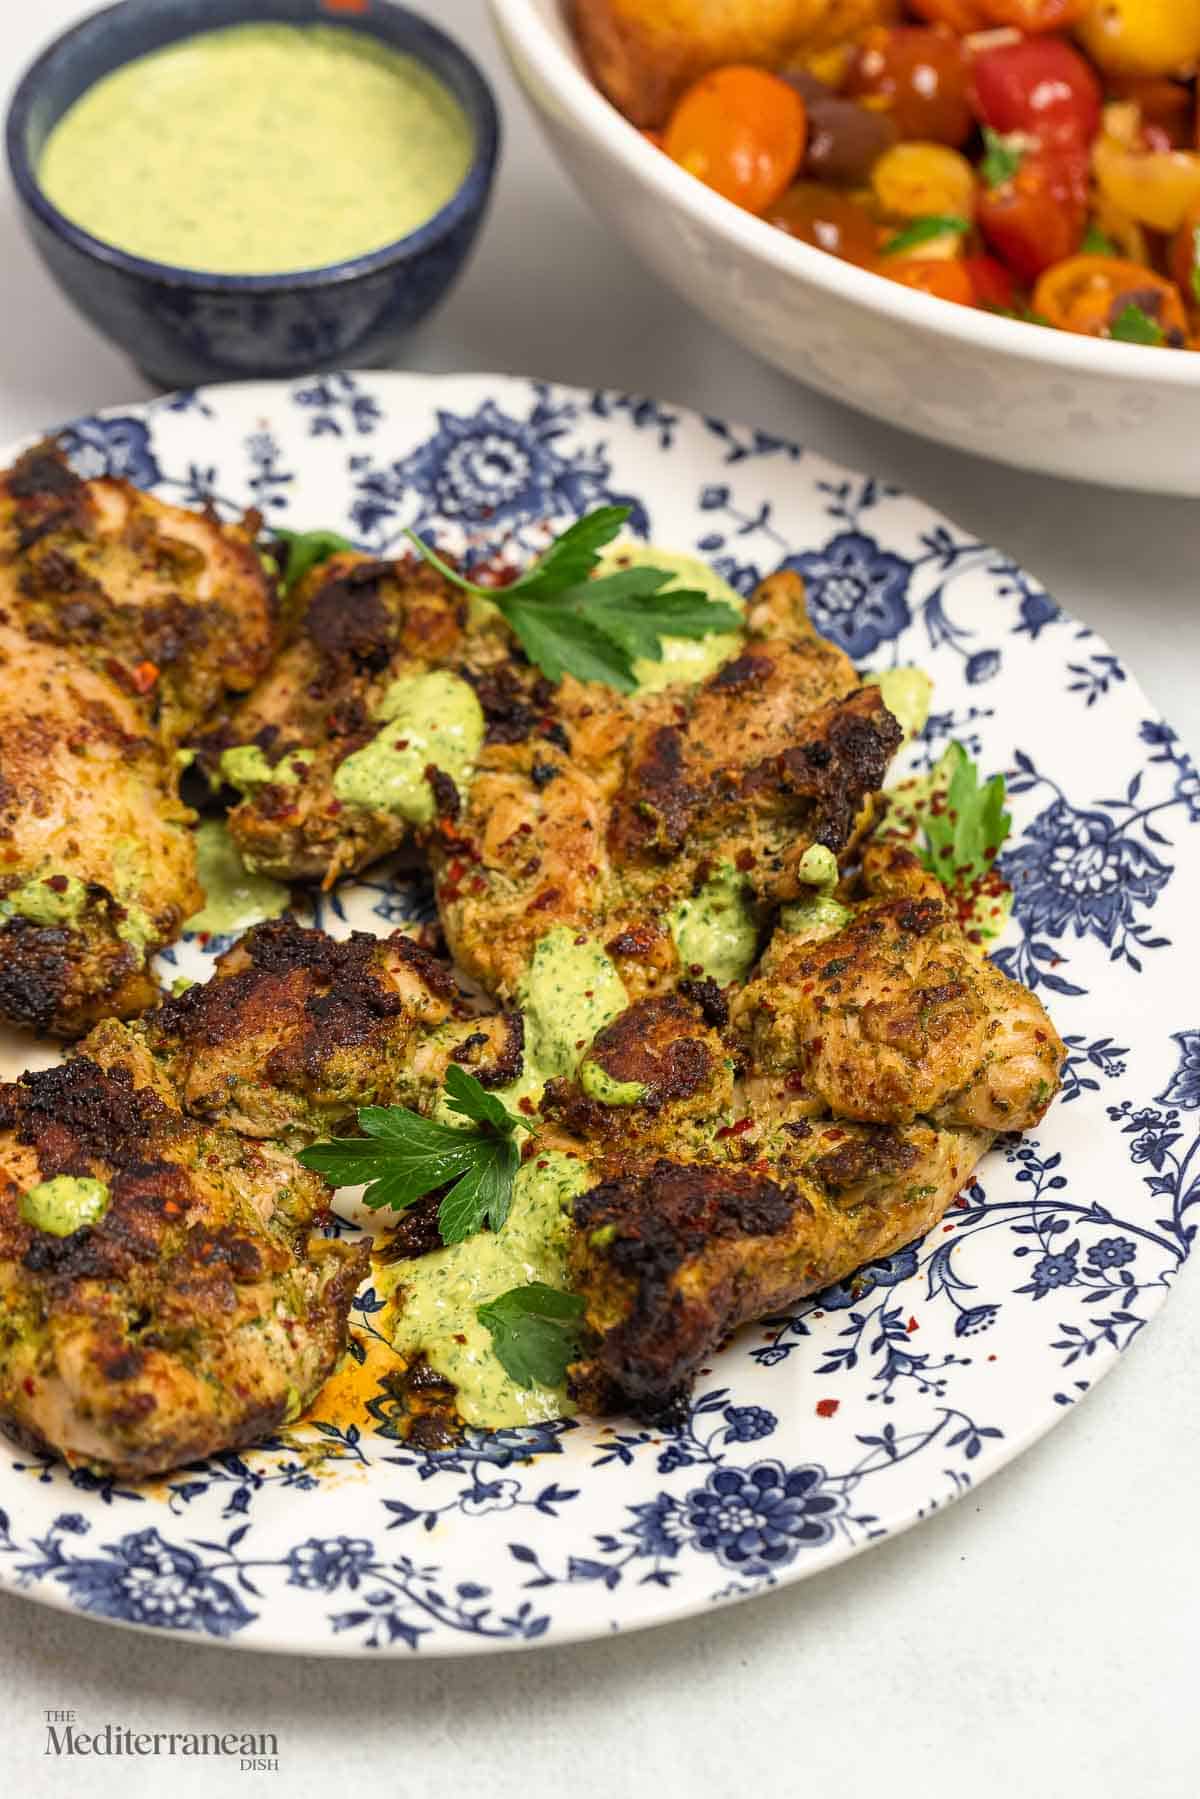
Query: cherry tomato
x=1036, y=15
x=1164, y=107
x=1141, y=37
x=948, y=280
x=1040, y=86
x=1156, y=187
x=991, y=283
x=1088, y=295
x=742, y=132
x=913, y=180
x=1038, y=216
x=827, y=218
x=1185, y=257
x=962, y=16
x=919, y=76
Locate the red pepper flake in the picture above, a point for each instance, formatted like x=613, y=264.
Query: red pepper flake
x=991, y=1358
x=912, y=1326
x=736, y=1130
x=827, y=1407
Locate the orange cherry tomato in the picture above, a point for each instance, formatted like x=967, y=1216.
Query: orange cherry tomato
x=1036, y=15
x=741, y=132
x=919, y=76
x=828, y=218
x=962, y=16
x=946, y=280
x=1089, y=294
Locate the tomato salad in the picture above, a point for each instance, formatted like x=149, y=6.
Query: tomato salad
x=1037, y=158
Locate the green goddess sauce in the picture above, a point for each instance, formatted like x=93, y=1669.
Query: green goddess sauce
x=51, y=899
x=714, y=929
x=259, y=149
x=570, y=991
x=431, y=718
x=443, y=1290
x=685, y=660
x=65, y=1204
x=234, y=899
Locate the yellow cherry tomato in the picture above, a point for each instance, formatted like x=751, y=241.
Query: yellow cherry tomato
x=1156, y=187
x=1141, y=37
x=914, y=180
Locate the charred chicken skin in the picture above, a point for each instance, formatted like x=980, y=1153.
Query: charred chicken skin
x=200, y=1312
x=122, y=622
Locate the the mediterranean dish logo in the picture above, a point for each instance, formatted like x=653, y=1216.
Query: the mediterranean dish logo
x=256, y=1752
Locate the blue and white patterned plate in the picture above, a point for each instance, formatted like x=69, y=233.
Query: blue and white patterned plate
x=814, y=1435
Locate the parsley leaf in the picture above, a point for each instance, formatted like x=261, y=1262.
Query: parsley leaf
x=1097, y=243
x=305, y=549
x=1133, y=326
x=963, y=838
x=569, y=624
x=402, y=1156
x=1194, y=277
x=923, y=231
x=1002, y=156
x=535, y=1332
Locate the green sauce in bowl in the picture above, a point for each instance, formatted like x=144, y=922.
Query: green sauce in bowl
x=259, y=150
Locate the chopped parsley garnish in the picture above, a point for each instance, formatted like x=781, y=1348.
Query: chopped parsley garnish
x=305, y=549
x=535, y=1332
x=1194, y=277
x=1133, y=326
x=1002, y=156
x=570, y=624
x=923, y=231
x=403, y=1156
x=1096, y=243
x=963, y=836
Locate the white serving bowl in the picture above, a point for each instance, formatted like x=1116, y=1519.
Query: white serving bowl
x=1116, y=413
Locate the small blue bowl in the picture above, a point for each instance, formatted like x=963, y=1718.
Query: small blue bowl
x=184, y=327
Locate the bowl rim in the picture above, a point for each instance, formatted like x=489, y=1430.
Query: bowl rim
x=467, y=199
x=526, y=23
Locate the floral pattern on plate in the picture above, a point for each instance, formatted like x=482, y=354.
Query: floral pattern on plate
x=873, y=1404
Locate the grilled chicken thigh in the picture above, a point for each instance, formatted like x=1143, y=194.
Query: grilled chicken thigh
x=896, y=1016
x=631, y=803
x=171, y=604
x=97, y=868
x=672, y=1255
x=201, y=1309
x=296, y=1031
x=358, y=628
x=122, y=622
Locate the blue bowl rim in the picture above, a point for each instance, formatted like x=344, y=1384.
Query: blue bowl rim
x=467, y=199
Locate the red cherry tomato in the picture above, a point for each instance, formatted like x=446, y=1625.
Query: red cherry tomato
x=1038, y=216
x=919, y=77
x=991, y=283
x=1040, y=86
x=947, y=280
x=1036, y=15
x=742, y=132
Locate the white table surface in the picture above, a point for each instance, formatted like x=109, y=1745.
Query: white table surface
x=1043, y=1636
